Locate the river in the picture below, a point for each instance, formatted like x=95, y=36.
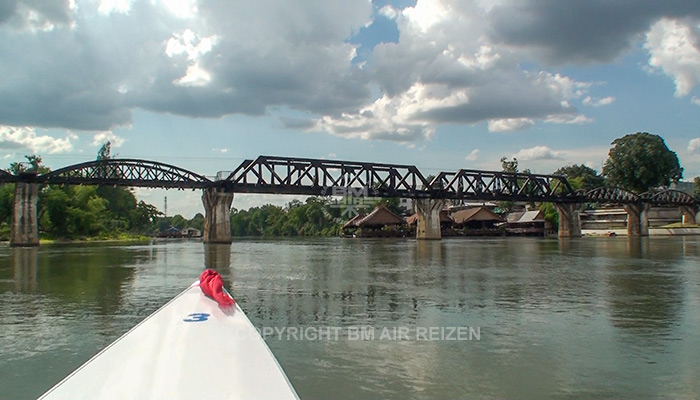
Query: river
x=608, y=317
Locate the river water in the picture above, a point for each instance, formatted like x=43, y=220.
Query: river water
x=588, y=318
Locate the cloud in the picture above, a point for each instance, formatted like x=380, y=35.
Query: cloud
x=473, y=155
x=445, y=70
x=673, y=47
x=184, y=44
x=297, y=123
x=695, y=101
x=14, y=138
x=456, y=62
x=538, y=153
x=103, y=137
x=694, y=146
x=578, y=119
x=92, y=68
x=35, y=16
x=560, y=32
x=510, y=124
x=597, y=102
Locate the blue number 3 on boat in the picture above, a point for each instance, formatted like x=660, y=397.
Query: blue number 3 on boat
x=197, y=317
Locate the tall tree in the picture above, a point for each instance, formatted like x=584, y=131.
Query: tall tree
x=105, y=152
x=581, y=176
x=509, y=165
x=641, y=161
x=33, y=163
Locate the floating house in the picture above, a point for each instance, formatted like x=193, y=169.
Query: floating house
x=527, y=223
x=477, y=221
x=446, y=224
x=171, y=232
x=381, y=222
x=191, y=233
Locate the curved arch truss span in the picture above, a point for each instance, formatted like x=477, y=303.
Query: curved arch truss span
x=669, y=197
x=611, y=195
x=126, y=172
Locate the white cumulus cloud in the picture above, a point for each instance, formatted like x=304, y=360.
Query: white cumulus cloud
x=597, y=102
x=101, y=138
x=26, y=138
x=694, y=146
x=673, y=47
x=473, y=155
x=539, y=153
x=510, y=124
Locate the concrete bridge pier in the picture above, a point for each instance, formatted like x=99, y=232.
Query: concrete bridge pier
x=217, y=218
x=637, y=219
x=569, y=219
x=428, y=211
x=25, y=223
x=691, y=215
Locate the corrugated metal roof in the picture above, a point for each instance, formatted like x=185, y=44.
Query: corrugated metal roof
x=532, y=216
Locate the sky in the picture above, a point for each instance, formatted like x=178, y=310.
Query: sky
x=440, y=84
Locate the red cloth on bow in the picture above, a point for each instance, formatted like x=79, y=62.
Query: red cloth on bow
x=211, y=284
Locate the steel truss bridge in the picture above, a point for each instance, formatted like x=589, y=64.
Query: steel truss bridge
x=317, y=177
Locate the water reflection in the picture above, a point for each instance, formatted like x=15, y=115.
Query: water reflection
x=74, y=276
x=218, y=257
x=25, y=262
x=646, y=298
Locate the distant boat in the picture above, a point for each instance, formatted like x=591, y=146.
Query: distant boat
x=191, y=348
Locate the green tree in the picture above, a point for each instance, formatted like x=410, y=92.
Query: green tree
x=512, y=167
x=697, y=185
x=550, y=214
x=105, y=152
x=33, y=163
x=581, y=176
x=7, y=202
x=509, y=165
x=641, y=161
x=56, y=202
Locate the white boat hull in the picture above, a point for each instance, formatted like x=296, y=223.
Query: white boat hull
x=188, y=349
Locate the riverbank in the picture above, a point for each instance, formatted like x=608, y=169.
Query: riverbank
x=96, y=239
x=652, y=232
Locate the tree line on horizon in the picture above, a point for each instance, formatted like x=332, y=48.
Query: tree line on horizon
x=68, y=211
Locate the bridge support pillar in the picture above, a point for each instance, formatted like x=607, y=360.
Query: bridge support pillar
x=25, y=223
x=637, y=219
x=569, y=219
x=217, y=219
x=691, y=215
x=428, y=211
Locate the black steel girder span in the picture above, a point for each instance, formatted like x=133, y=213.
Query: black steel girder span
x=306, y=176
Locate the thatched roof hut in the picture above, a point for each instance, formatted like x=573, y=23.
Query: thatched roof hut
x=463, y=217
x=379, y=217
x=380, y=222
x=444, y=219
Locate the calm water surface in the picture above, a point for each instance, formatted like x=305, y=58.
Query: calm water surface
x=587, y=318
